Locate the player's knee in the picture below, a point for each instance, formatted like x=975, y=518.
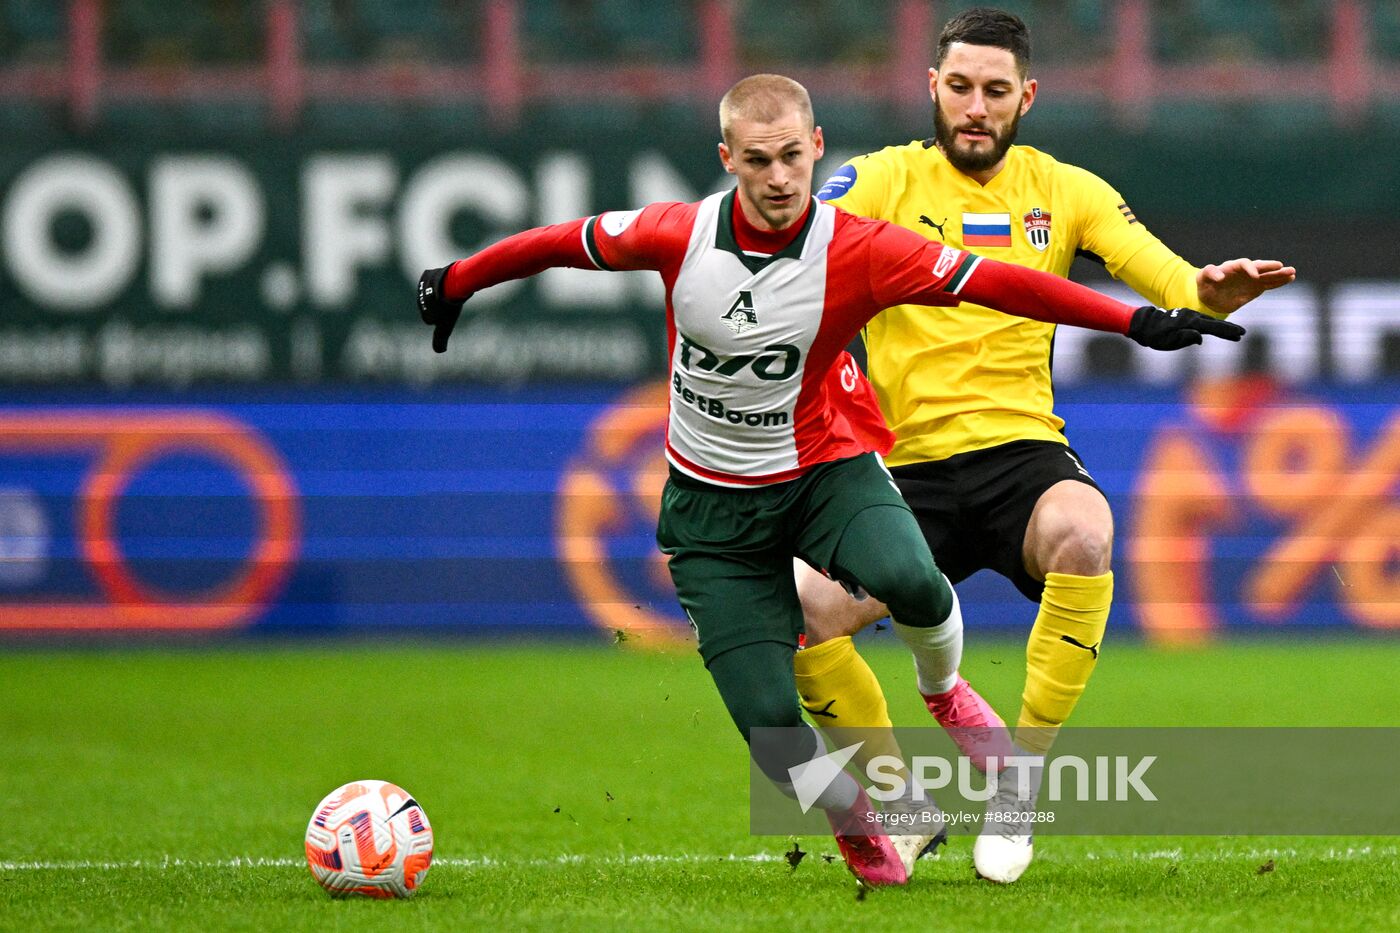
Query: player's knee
x=1081, y=548
x=1071, y=531
x=914, y=589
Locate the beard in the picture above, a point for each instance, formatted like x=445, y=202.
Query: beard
x=964, y=159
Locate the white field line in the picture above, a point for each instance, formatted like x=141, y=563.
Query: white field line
x=1330, y=854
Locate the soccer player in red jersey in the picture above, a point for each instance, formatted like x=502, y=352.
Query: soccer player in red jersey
x=765, y=287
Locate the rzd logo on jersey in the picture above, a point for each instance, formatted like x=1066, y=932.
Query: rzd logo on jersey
x=1038, y=228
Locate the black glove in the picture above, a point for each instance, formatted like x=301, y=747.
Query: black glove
x=436, y=310
x=1161, y=329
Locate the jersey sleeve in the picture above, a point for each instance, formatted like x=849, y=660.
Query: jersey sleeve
x=517, y=257
x=1112, y=234
x=652, y=237
x=905, y=268
x=859, y=186
x=649, y=238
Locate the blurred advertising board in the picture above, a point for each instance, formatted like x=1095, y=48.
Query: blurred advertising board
x=1242, y=505
x=171, y=259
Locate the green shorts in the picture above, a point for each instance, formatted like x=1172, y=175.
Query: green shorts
x=732, y=549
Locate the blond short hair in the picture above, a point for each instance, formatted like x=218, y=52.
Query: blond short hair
x=764, y=98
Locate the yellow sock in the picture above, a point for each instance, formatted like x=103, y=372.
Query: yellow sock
x=1061, y=653
x=839, y=690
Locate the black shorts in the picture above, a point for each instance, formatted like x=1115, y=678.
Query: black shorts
x=973, y=508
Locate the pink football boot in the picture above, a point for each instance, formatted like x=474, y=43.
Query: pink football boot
x=868, y=851
x=971, y=722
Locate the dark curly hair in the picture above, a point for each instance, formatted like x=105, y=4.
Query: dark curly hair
x=985, y=26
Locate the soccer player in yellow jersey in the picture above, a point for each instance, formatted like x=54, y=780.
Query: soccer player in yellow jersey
x=979, y=455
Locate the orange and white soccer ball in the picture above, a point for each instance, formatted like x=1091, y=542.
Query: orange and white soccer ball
x=369, y=838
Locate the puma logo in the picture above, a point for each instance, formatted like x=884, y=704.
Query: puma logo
x=924, y=219
x=1092, y=649
x=824, y=711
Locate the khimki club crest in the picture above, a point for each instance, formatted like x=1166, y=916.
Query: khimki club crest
x=1038, y=228
x=741, y=315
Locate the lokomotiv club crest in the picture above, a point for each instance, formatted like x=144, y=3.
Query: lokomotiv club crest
x=1038, y=228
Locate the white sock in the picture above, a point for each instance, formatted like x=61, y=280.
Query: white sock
x=840, y=794
x=1018, y=786
x=937, y=651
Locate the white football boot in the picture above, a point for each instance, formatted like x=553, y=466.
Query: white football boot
x=916, y=828
x=1004, y=849
x=1002, y=859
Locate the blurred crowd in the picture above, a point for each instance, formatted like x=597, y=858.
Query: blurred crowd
x=158, y=32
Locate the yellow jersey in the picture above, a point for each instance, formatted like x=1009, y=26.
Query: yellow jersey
x=950, y=380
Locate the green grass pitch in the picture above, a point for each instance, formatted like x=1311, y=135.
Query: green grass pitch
x=580, y=787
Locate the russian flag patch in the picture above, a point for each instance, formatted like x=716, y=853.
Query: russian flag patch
x=986, y=229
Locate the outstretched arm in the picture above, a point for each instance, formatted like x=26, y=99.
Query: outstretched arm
x=1113, y=235
x=653, y=237
x=1230, y=286
x=1044, y=297
x=442, y=292
x=906, y=268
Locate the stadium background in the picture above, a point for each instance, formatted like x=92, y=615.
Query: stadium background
x=251, y=527
x=221, y=416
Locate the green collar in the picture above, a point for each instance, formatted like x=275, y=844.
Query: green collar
x=727, y=241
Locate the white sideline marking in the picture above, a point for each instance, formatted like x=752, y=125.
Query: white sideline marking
x=480, y=862
x=1331, y=854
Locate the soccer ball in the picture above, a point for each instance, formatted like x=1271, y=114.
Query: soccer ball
x=369, y=838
